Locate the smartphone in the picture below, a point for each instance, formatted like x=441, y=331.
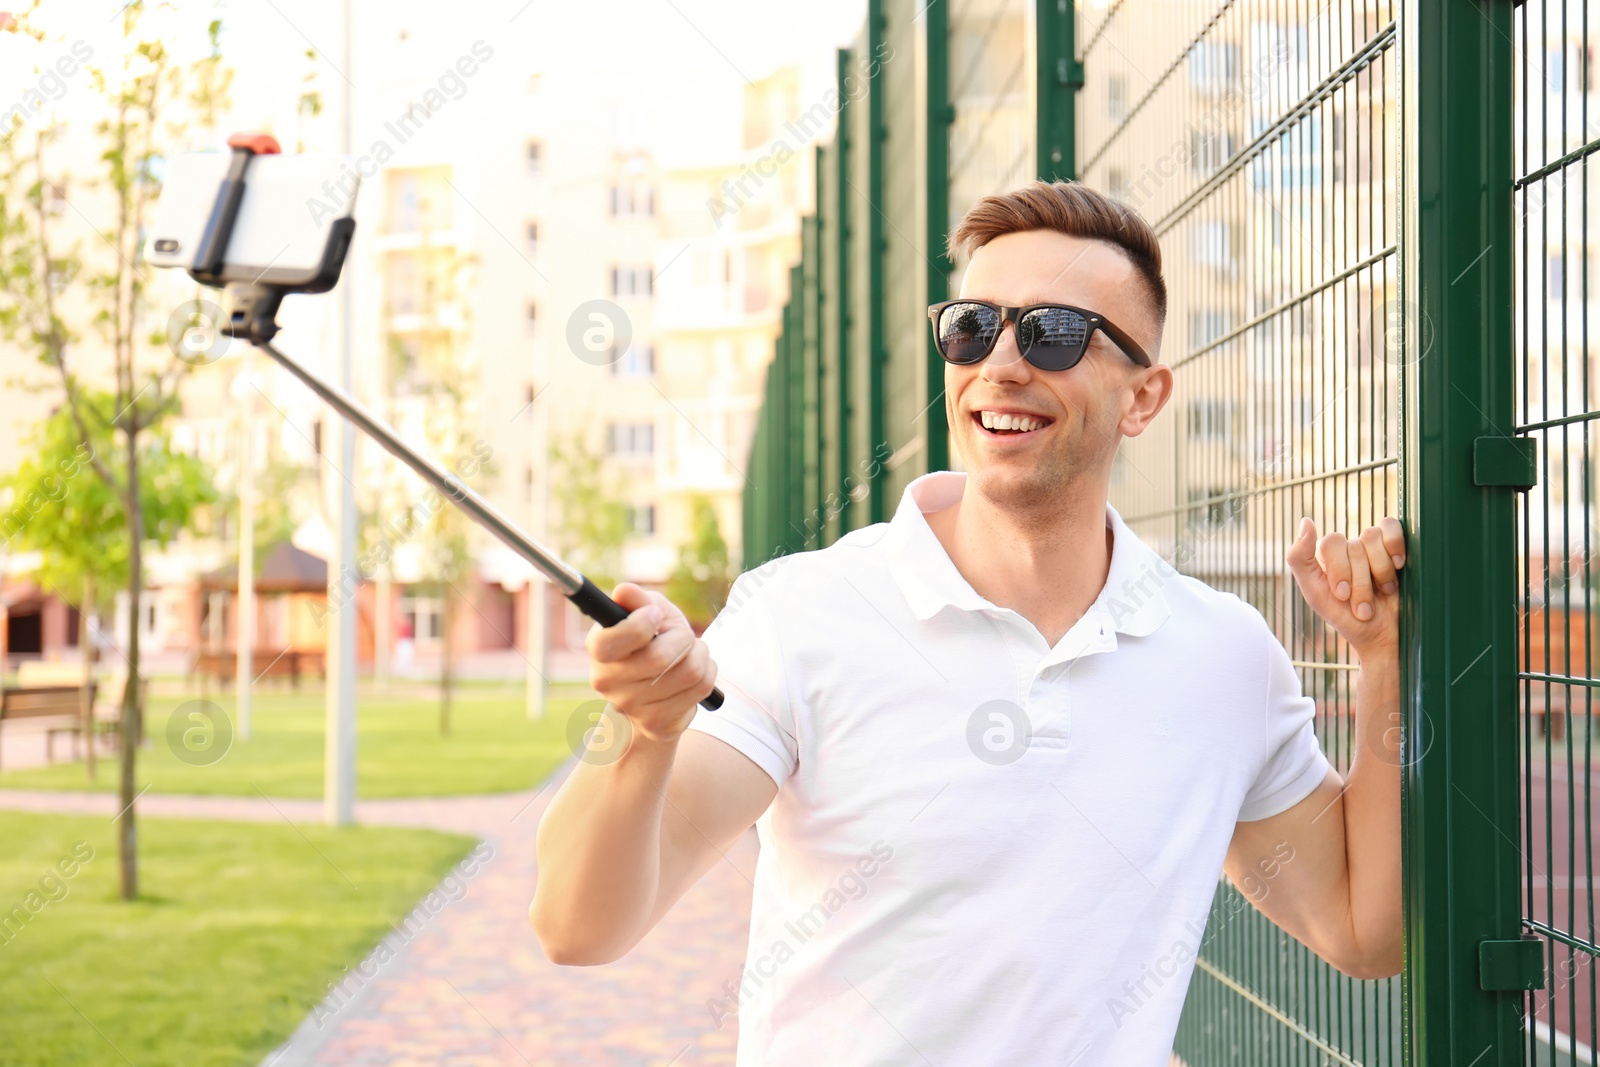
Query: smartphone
x=294, y=222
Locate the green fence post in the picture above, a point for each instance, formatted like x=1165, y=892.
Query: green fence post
x=865, y=255
x=848, y=308
x=779, y=450
x=939, y=115
x=1462, y=783
x=760, y=489
x=747, y=499
x=1060, y=76
x=877, y=243
x=811, y=261
x=794, y=324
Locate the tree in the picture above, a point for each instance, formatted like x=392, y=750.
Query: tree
x=432, y=364
x=77, y=522
x=146, y=96
x=700, y=582
x=591, y=520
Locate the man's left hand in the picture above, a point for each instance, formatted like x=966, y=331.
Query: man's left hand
x=1354, y=585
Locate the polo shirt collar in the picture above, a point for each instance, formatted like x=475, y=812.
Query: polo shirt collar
x=1131, y=601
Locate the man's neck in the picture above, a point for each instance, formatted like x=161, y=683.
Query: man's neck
x=1047, y=568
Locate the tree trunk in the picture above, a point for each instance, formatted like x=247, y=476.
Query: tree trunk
x=447, y=659
x=86, y=646
x=383, y=628
x=127, y=834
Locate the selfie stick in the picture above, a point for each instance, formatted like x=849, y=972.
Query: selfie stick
x=253, y=318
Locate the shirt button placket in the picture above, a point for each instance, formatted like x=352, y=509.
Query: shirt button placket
x=1047, y=704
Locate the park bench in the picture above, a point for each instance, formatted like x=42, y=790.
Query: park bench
x=221, y=665
x=53, y=693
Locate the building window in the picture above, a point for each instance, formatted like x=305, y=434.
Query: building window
x=631, y=438
x=530, y=241
x=1213, y=65
x=642, y=520
x=1212, y=243
x=637, y=361
x=1208, y=152
x=535, y=157
x=1215, y=513
x=1117, y=182
x=1117, y=98
x=531, y=316
x=1555, y=69
x=405, y=283
x=419, y=199
x=632, y=199
x=1296, y=159
x=422, y=617
x=1206, y=326
x=1213, y=420
x=1558, y=277
x=631, y=281
x=630, y=126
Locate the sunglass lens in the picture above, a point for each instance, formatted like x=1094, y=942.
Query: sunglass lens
x=1052, y=338
x=967, y=332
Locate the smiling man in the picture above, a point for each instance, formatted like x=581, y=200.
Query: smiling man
x=997, y=751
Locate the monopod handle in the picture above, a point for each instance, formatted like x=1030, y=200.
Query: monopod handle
x=593, y=602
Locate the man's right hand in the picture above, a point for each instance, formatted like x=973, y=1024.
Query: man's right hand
x=623, y=839
x=650, y=666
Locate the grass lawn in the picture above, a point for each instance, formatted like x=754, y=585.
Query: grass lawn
x=492, y=747
x=242, y=928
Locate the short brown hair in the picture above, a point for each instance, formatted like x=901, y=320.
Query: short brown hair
x=1075, y=210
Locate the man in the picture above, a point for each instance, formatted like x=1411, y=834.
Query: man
x=997, y=751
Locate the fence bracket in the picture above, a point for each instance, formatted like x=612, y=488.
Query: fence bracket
x=1511, y=965
x=1505, y=461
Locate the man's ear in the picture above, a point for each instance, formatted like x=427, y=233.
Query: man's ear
x=1149, y=390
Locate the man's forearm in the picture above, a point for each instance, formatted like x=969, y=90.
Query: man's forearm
x=599, y=852
x=1372, y=813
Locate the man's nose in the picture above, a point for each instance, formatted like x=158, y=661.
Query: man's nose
x=1005, y=363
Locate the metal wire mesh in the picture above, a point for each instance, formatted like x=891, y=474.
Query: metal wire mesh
x=992, y=138
x=1554, y=132
x=1259, y=138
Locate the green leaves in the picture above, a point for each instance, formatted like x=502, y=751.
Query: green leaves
x=592, y=520
x=57, y=504
x=700, y=582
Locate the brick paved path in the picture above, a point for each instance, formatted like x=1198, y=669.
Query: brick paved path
x=469, y=986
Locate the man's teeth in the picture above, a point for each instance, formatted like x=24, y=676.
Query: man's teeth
x=995, y=421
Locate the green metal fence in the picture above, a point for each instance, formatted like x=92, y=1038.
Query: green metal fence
x=938, y=104
x=1374, y=217
x=1554, y=132
x=1259, y=140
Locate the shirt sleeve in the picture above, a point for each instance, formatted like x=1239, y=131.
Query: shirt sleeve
x=1295, y=763
x=756, y=717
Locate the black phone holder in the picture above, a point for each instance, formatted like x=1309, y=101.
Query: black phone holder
x=253, y=306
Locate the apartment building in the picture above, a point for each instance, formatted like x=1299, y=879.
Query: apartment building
x=510, y=194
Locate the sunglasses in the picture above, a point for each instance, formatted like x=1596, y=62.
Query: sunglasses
x=1050, y=336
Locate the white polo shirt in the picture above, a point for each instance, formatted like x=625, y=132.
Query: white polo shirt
x=985, y=850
